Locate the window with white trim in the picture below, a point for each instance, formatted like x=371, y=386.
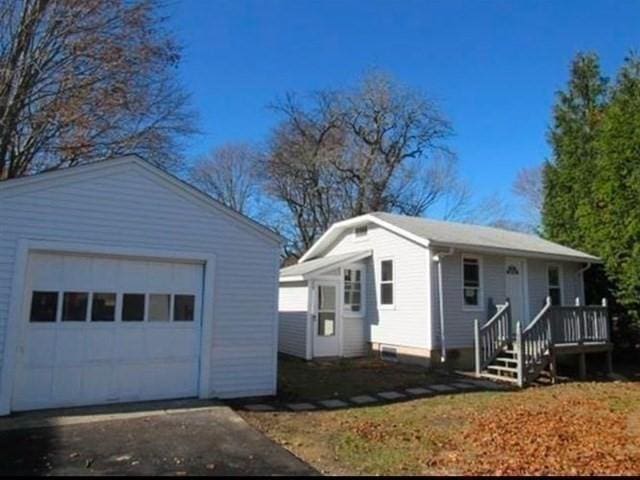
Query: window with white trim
x=353, y=289
x=554, y=284
x=386, y=282
x=471, y=279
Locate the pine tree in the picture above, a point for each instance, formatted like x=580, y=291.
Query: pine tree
x=612, y=224
x=567, y=175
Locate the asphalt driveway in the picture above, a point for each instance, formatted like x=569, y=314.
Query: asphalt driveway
x=201, y=441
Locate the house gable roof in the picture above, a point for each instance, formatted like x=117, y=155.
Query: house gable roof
x=83, y=172
x=429, y=232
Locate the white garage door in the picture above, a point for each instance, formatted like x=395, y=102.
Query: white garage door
x=105, y=329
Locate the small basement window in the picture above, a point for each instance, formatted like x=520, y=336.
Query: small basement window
x=44, y=307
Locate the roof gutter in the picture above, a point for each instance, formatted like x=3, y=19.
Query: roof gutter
x=443, y=345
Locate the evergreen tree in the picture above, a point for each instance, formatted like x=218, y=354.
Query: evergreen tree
x=567, y=175
x=612, y=224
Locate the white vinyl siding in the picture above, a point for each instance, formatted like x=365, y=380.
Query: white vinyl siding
x=125, y=205
x=407, y=323
x=293, y=307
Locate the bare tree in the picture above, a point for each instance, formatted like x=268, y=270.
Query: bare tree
x=529, y=189
x=338, y=154
x=230, y=174
x=82, y=80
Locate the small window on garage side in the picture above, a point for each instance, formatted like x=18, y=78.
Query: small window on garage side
x=183, y=308
x=133, y=307
x=103, y=307
x=159, y=307
x=74, y=306
x=44, y=306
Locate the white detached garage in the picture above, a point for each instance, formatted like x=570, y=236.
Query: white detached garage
x=119, y=282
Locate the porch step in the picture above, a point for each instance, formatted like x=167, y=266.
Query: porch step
x=506, y=360
x=502, y=369
x=498, y=378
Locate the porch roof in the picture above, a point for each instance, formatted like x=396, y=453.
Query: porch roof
x=300, y=271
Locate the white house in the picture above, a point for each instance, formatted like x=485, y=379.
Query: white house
x=119, y=282
x=411, y=288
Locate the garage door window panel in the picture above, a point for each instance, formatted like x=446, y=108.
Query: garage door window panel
x=133, y=307
x=74, y=306
x=183, y=308
x=44, y=307
x=103, y=307
x=159, y=307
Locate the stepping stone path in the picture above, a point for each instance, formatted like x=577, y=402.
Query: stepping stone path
x=441, y=387
x=418, y=391
x=462, y=385
x=298, y=407
x=362, y=399
x=259, y=407
x=335, y=403
x=391, y=395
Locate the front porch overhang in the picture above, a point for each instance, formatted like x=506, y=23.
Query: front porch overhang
x=305, y=270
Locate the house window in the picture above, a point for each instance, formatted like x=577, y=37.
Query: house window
x=361, y=232
x=386, y=282
x=103, y=307
x=44, y=307
x=74, y=306
x=555, y=288
x=353, y=289
x=471, y=281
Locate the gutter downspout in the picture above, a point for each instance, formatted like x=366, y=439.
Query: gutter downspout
x=580, y=274
x=438, y=259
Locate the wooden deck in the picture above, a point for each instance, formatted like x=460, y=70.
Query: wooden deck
x=519, y=355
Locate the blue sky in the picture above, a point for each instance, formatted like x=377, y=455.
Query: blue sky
x=493, y=66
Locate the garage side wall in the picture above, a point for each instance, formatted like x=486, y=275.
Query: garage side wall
x=127, y=206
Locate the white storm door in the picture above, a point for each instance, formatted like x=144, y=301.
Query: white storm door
x=514, y=280
x=325, y=320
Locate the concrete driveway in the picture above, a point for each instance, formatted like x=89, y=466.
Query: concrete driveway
x=146, y=439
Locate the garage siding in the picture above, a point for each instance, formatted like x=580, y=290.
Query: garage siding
x=125, y=205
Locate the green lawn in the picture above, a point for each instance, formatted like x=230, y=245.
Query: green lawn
x=570, y=428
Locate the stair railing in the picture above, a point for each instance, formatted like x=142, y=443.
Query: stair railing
x=533, y=343
x=492, y=337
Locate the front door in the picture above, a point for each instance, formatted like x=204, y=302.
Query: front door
x=325, y=325
x=515, y=291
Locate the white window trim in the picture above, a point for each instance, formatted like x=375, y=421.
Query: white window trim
x=560, y=280
x=394, y=282
x=480, y=306
x=347, y=312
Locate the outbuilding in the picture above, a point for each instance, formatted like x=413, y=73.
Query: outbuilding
x=119, y=282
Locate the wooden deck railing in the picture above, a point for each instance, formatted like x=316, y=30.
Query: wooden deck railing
x=533, y=344
x=492, y=337
x=580, y=324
